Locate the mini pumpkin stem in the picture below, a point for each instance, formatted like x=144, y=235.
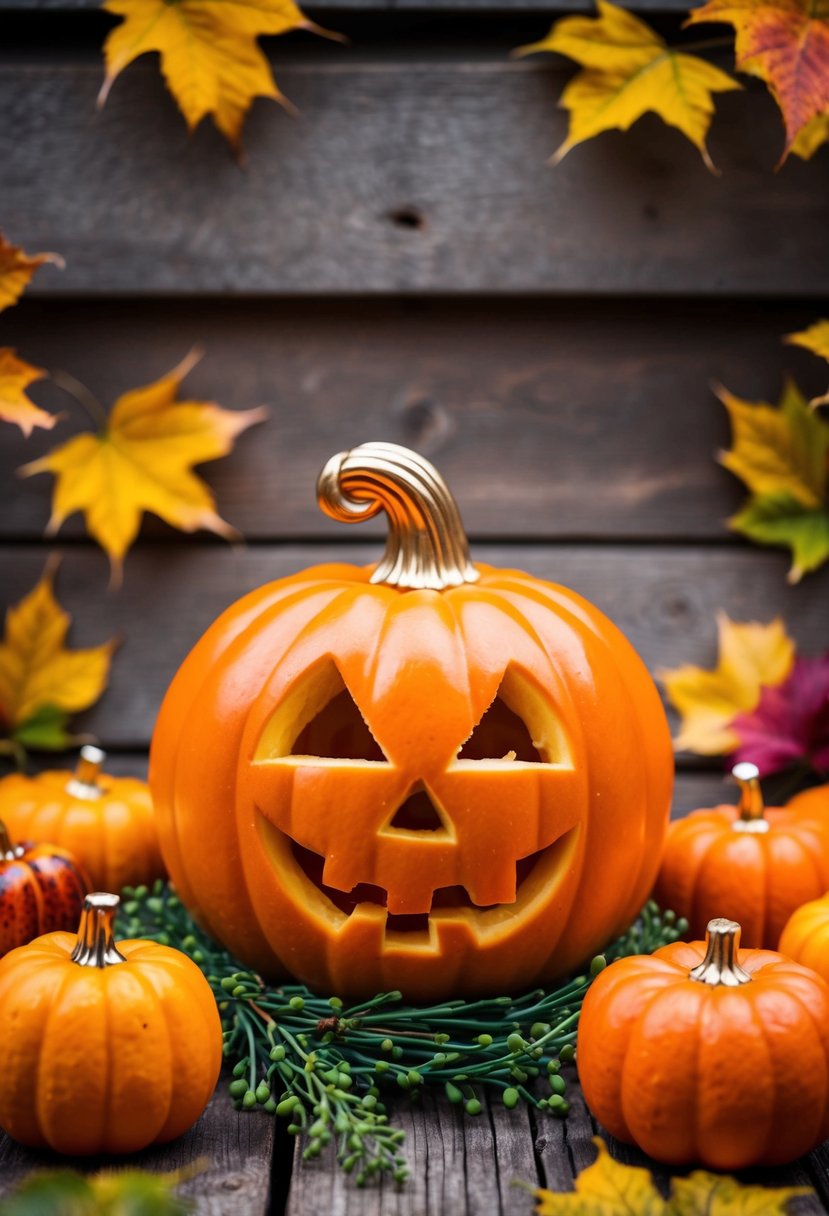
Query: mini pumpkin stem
x=84, y=783
x=7, y=852
x=95, y=946
x=426, y=545
x=751, y=806
x=720, y=966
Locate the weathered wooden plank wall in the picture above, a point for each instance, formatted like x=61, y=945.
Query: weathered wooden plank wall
x=466, y=202
x=400, y=262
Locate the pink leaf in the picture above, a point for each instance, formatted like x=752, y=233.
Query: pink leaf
x=790, y=724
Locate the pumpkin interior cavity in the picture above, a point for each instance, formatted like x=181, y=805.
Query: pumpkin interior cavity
x=417, y=814
x=319, y=717
x=520, y=724
x=500, y=735
x=446, y=898
x=338, y=731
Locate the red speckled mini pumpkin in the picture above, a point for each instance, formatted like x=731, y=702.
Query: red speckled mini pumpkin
x=106, y=822
x=751, y=863
x=42, y=889
x=425, y=775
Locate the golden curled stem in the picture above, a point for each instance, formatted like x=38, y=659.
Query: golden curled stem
x=426, y=545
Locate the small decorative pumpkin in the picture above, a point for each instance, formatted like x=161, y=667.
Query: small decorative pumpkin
x=107, y=822
x=806, y=936
x=814, y=801
x=106, y=1047
x=756, y=864
x=42, y=888
x=704, y=1053
x=424, y=774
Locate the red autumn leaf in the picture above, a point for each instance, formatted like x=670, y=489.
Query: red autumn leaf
x=786, y=44
x=790, y=724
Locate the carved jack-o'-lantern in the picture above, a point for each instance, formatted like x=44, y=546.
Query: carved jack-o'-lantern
x=424, y=775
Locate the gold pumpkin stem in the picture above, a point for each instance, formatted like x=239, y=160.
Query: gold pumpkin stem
x=7, y=852
x=84, y=783
x=720, y=966
x=95, y=946
x=751, y=806
x=426, y=545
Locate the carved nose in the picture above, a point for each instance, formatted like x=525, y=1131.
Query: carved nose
x=418, y=813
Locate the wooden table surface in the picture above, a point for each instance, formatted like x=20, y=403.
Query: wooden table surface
x=460, y=1165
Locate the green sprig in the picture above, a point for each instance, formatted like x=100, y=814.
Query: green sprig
x=325, y=1066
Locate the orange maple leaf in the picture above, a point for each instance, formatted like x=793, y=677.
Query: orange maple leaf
x=142, y=461
x=17, y=268
x=15, y=406
x=786, y=44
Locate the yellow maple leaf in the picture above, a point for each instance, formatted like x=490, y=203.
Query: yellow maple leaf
x=606, y=1186
x=811, y=137
x=786, y=44
x=628, y=71
x=609, y=1188
x=210, y=58
x=705, y=1194
x=41, y=682
x=751, y=656
x=15, y=406
x=17, y=268
x=142, y=461
x=815, y=339
x=777, y=450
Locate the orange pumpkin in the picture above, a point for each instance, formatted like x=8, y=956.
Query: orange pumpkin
x=814, y=801
x=754, y=863
x=41, y=888
x=411, y=775
x=107, y=822
x=106, y=1048
x=806, y=936
x=704, y=1053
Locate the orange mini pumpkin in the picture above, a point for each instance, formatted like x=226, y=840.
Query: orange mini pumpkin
x=411, y=775
x=806, y=936
x=814, y=801
x=106, y=1047
x=754, y=863
x=704, y=1053
x=106, y=821
x=42, y=888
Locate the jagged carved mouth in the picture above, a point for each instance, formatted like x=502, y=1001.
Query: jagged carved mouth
x=444, y=898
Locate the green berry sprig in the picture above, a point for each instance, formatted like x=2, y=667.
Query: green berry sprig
x=326, y=1067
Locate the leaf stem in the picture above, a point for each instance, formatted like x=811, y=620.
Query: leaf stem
x=81, y=394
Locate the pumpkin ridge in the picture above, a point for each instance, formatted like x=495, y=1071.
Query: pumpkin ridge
x=169, y=1078
x=630, y=1062
x=52, y=1011
x=575, y=620
x=220, y=648
x=770, y=1057
x=241, y=643
x=344, y=601
x=822, y=1039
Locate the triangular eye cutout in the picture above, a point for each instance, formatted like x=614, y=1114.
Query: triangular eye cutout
x=417, y=813
x=500, y=735
x=338, y=731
